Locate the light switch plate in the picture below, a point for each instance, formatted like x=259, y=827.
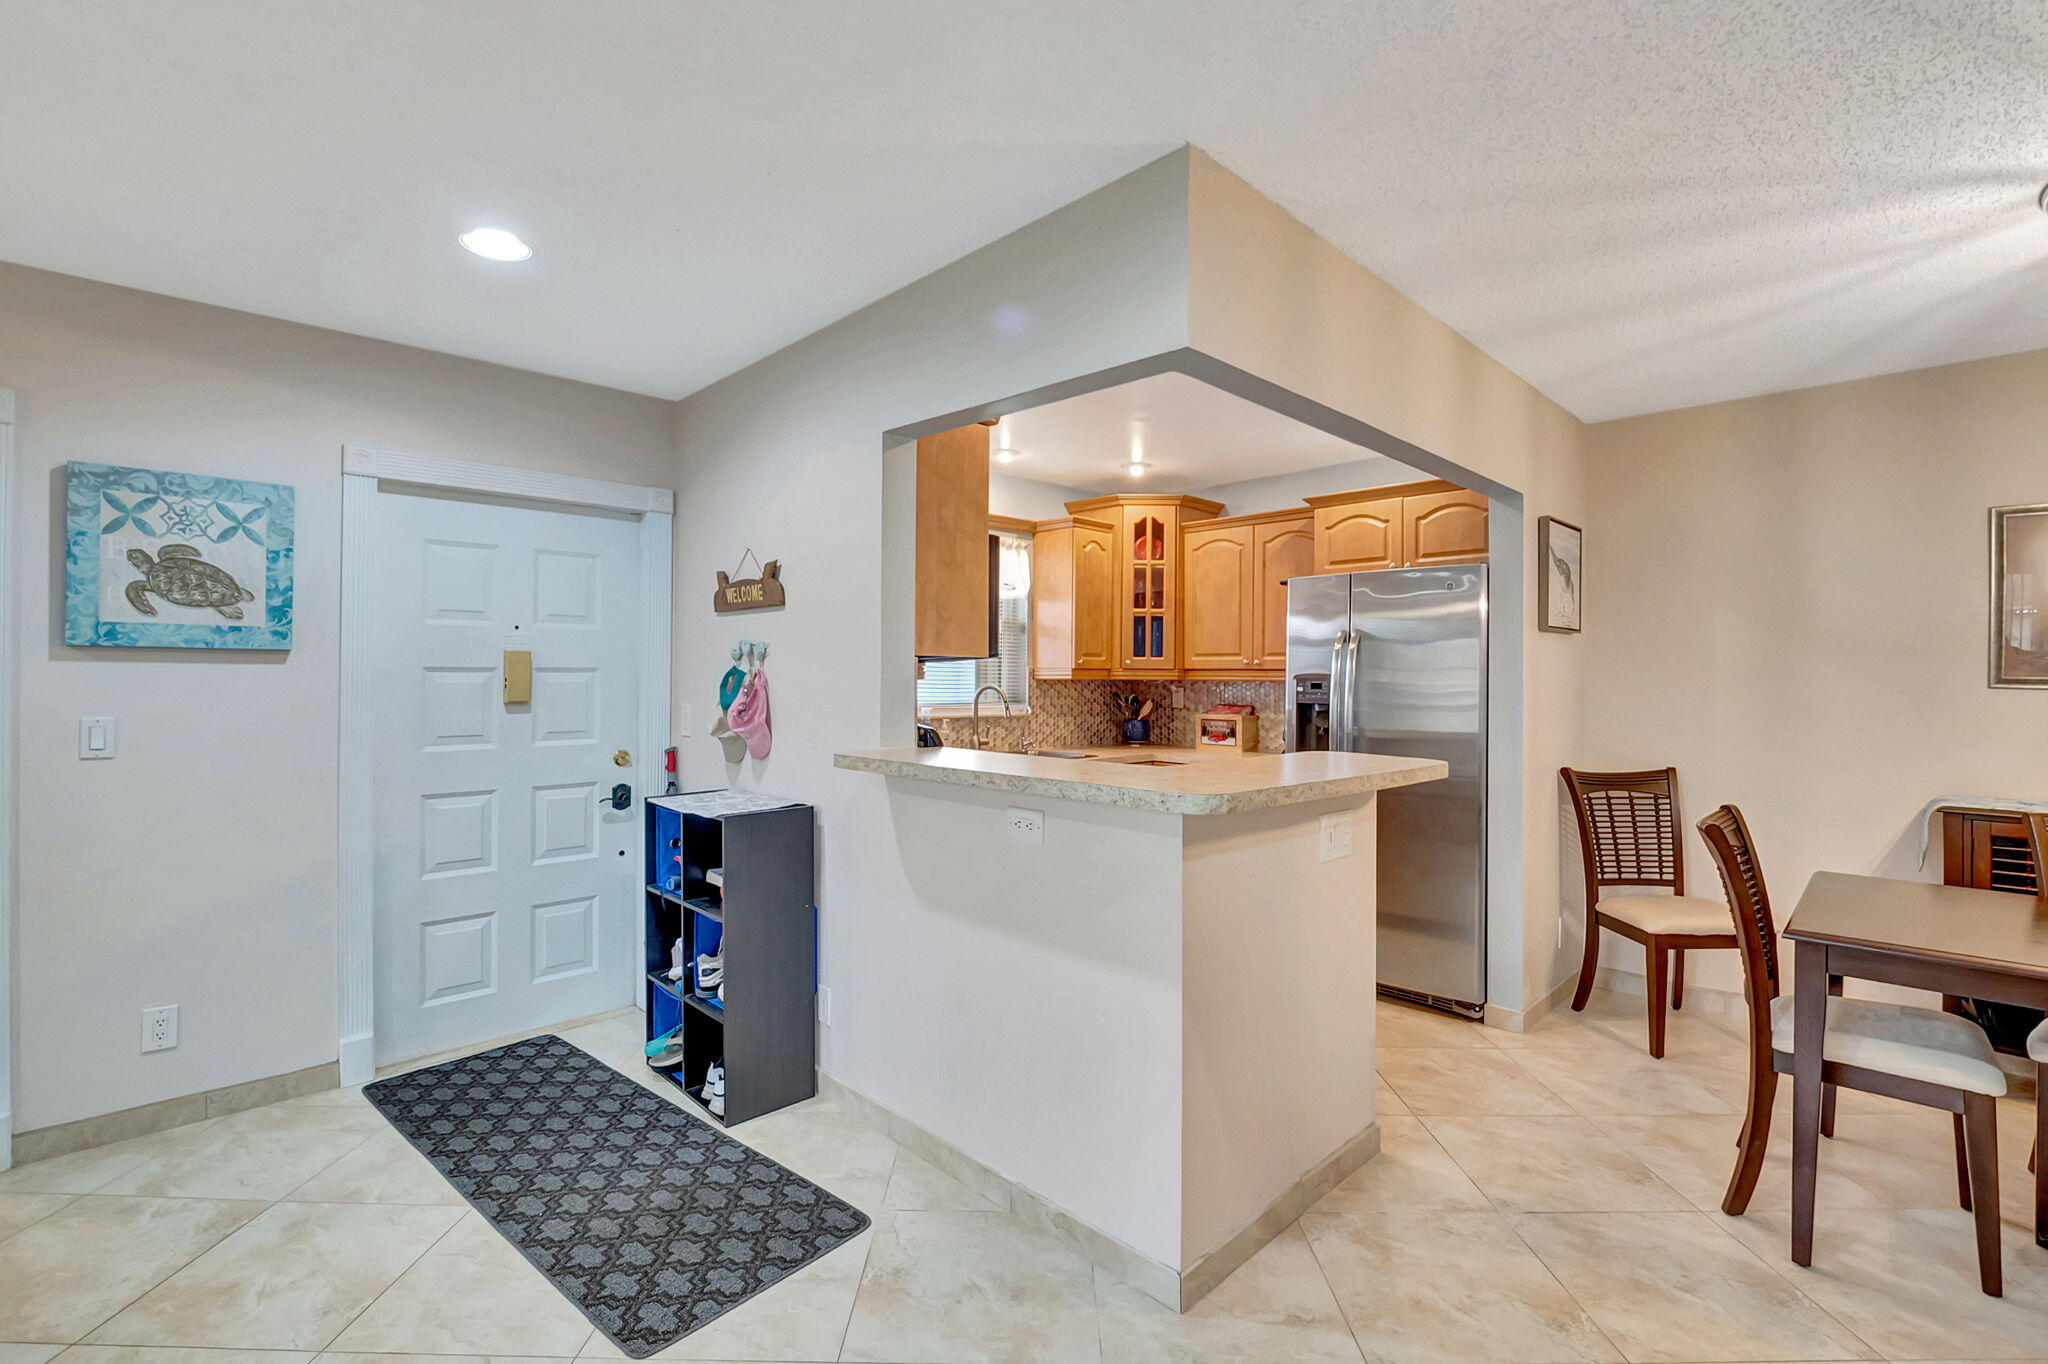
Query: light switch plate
x=1333, y=837
x=683, y=720
x=98, y=736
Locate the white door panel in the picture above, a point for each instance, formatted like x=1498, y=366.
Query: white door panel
x=505, y=892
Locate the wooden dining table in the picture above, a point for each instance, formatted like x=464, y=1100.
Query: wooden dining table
x=1984, y=944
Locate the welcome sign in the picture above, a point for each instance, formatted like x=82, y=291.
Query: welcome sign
x=750, y=594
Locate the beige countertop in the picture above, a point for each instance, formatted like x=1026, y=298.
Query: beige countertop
x=1188, y=782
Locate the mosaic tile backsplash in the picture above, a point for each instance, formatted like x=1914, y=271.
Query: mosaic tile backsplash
x=1085, y=714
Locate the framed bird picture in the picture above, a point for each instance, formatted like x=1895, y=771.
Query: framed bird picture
x=1560, y=575
x=165, y=560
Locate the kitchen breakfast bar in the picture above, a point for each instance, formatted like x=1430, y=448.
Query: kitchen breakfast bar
x=1150, y=973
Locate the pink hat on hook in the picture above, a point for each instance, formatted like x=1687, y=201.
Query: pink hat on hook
x=749, y=714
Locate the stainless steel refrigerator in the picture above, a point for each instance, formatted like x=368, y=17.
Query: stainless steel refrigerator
x=1394, y=662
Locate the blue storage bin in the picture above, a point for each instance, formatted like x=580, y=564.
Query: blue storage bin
x=664, y=1010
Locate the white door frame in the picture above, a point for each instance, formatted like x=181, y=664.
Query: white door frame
x=362, y=468
x=8, y=619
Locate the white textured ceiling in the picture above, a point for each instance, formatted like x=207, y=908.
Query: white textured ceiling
x=1636, y=204
x=1191, y=435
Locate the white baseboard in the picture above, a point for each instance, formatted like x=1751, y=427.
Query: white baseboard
x=1521, y=1020
x=1704, y=999
x=358, y=1059
x=1174, y=1289
x=6, y=1139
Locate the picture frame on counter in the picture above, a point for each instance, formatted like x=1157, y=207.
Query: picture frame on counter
x=1227, y=729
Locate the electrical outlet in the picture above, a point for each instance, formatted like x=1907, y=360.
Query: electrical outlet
x=825, y=1005
x=1333, y=837
x=1560, y=933
x=160, y=1027
x=1026, y=826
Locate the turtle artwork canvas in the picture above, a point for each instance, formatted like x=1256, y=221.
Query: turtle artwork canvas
x=160, y=559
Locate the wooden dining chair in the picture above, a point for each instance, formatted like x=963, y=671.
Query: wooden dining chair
x=1922, y=1056
x=1628, y=834
x=2037, y=1045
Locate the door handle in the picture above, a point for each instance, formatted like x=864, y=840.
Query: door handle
x=1351, y=737
x=1340, y=687
x=1336, y=716
x=621, y=796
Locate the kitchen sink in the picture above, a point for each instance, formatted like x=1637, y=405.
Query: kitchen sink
x=1144, y=762
x=1056, y=753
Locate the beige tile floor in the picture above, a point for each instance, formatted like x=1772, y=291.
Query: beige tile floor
x=1546, y=1197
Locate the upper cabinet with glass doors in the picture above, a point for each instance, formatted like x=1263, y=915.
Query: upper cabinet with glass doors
x=1148, y=576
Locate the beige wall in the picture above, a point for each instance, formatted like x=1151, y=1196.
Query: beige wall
x=1787, y=599
x=1269, y=296
x=198, y=868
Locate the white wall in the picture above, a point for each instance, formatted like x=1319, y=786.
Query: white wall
x=1278, y=1007
x=1252, y=495
x=1273, y=300
x=1029, y=499
x=1052, y=1020
x=787, y=456
x=1787, y=599
x=198, y=868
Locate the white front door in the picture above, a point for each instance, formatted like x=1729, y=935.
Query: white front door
x=505, y=882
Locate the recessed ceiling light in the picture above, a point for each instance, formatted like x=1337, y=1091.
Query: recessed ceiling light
x=1006, y=455
x=1136, y=468
x=495, y=243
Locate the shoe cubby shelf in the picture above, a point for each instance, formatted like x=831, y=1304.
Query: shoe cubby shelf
x=733, y=874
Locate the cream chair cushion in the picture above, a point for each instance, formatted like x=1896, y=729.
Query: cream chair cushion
x=1669, y=913
x=1899, y=1039
x=2037, y=1044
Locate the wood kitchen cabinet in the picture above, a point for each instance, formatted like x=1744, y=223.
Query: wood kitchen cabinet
x=955, y=612
x=1234, y=596
x=1217, y=595
x=1148, y=584
x=1408, y=525
x=1283, y=547
x=1154, y=585
x=1356, y=532
x=1073, y=598
x=1444, y=528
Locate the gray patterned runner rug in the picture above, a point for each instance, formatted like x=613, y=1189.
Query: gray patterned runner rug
x=650, y=1220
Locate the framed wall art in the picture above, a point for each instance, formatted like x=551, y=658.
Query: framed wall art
x=2019, y=596
x=1560, y=579
x=160, y=559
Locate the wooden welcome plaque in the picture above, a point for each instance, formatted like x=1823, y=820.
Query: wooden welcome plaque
x=750, y=594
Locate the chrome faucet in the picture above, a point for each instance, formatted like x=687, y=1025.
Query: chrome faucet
x=976, y=710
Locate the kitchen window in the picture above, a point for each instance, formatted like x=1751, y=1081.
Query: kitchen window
x=949, y=685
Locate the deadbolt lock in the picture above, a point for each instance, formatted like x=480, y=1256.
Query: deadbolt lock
x=622, y=759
